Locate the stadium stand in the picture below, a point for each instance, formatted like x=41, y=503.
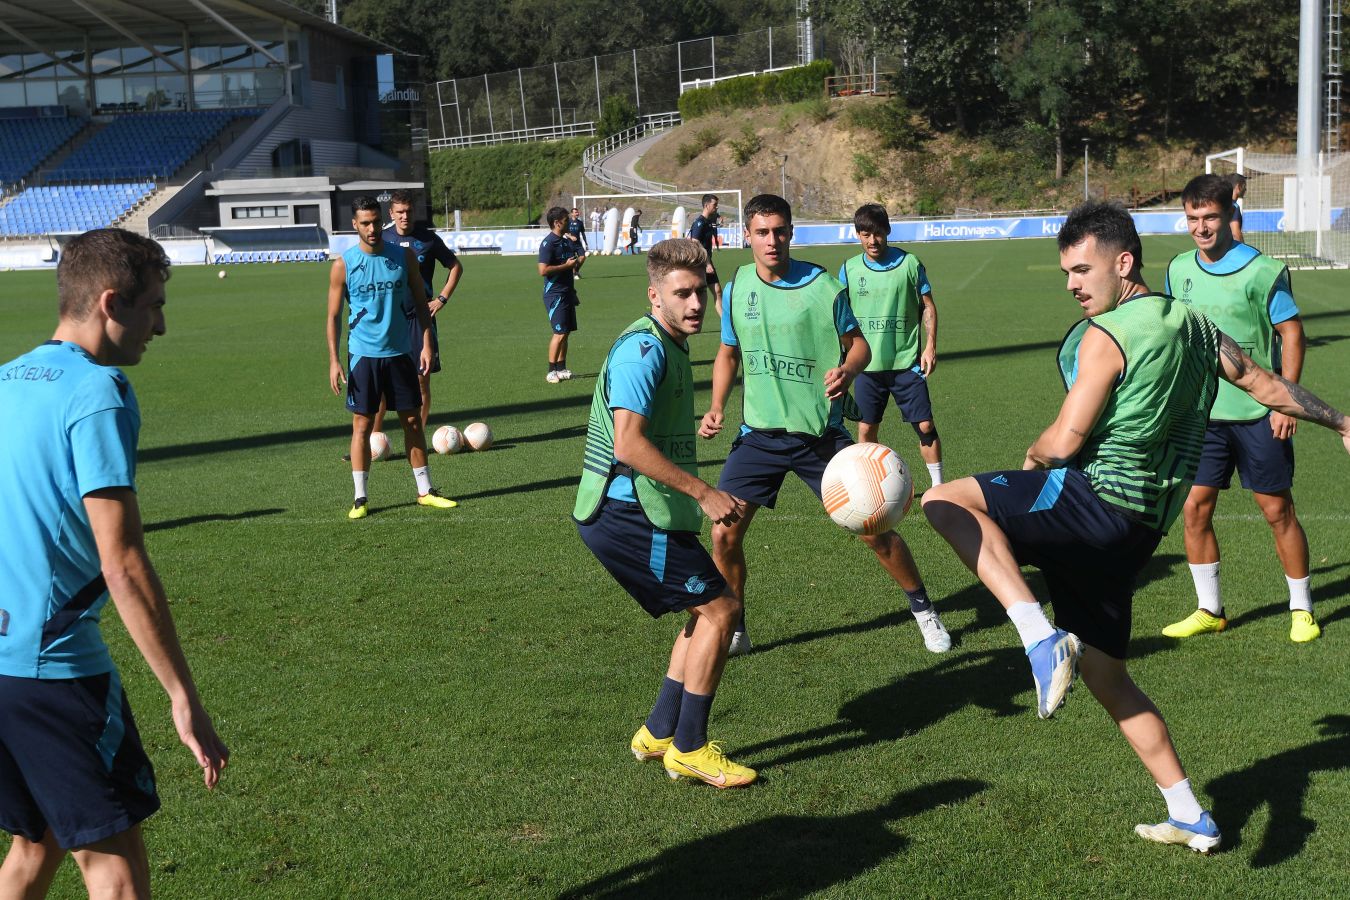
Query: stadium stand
x=70, y=208
x=26, y=142
x=142, y=146
x=268, y=244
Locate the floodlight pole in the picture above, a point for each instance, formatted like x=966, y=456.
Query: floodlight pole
x=782, y=176
x=528, y=218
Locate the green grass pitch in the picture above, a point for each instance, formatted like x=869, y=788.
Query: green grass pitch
x=438, y=703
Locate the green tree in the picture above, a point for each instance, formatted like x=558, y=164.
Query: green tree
x=1044, y=68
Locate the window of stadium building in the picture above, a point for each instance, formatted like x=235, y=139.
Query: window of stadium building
x=133, y=78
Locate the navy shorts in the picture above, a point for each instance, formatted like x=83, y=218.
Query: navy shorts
x=872, y=390
x=415, y=341
x=759, y=461
x=1089, y=554
x=71, y=760
x=392, y=377
x=664, y=571
x=1265, y=464
x=562, y=311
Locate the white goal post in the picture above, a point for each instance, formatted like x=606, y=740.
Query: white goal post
x=1299, y=220
x=664, y=214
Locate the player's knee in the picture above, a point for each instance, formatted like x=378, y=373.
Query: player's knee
x=1197, y=514
x=1279, y=512
x=926, y=431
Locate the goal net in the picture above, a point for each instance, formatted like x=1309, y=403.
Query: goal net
x=659, y=216
x=1299, y=220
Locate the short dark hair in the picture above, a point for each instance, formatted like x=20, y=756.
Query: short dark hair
x=556, y=214
x=365, y=203
x=106, y=259
x=767, y=205
x=402, y=198
x=1204, y=189
x=1236, y=179
x=1110, y=223
x=708, y=198
x=872, y=218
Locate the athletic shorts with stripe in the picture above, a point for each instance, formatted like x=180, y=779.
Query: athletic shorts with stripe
x=664, y=571
x=1089, y=554
x=71, y=760
x=392, y=377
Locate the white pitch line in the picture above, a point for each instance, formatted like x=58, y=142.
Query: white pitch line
x=973, y=275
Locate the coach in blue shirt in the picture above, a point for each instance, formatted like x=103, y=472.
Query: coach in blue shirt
x=74, y=776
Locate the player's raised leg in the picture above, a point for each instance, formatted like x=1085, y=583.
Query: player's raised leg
x=958, y=511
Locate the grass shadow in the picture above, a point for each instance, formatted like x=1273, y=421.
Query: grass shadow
x=1280, y=782
x=168, y=524
x=991, y=680
x=783, y=856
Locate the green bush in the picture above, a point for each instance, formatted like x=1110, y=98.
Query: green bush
x=891, y=121
x=789, y=86
x=617, y=114
x=743, y=149
x=493, y=177
x=864, y=167
x=704, y=139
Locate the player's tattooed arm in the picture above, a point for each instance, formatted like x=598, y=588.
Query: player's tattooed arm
x=1276, y=392
x=928, y=358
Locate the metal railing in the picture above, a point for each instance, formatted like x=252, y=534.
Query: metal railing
x=593, y=159
x=709, y=82
x=555, y=132
x=854, y=85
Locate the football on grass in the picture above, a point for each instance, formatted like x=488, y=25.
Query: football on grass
x=478, y=435
x=447, y=439
x=867, y=488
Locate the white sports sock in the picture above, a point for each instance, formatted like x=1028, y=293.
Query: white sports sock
x=1206, y=578
x=935, y=473
x=1031, y=623
x=359, y=480
x=1299, y=595
x=1181, y=802
x=423, y=479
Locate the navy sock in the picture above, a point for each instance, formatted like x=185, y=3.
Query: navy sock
x=553, y=367
x=918, y=600
x=692, y=731
x=666, y=712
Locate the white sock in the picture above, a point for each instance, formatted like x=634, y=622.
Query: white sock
x=423, y=479
x=1299, y=595
x=1206, y=578
x=359, y=480
x=935, y=473
x=1031, y=623
x=1181, y=802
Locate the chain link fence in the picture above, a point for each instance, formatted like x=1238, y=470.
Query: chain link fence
x=565, y=98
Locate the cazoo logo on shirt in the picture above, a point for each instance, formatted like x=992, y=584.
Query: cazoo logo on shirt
x=372, y=286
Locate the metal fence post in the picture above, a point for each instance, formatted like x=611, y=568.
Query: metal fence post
x=596, y=61
x=637, y=92
x=524, y=118
x=487, y=92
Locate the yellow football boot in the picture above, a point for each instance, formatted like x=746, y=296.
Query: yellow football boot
x=645, y=746
x=1303, y=628
x=1198, y=622
x=360, y=509
x=709, y=765
x=434, y=499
